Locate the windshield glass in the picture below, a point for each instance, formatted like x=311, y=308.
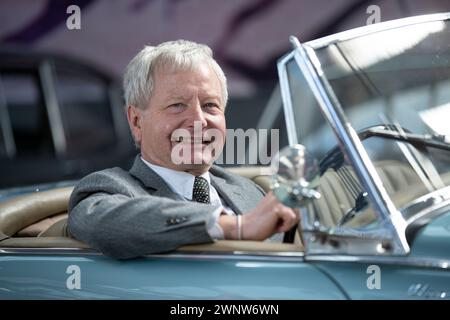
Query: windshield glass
x=397, y=81
x=342, y=193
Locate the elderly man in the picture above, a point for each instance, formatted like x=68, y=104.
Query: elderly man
x=173, y=195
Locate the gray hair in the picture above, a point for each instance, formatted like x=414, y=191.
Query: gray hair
x=138, y=80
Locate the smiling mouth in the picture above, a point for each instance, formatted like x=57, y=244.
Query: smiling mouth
x=188, y=140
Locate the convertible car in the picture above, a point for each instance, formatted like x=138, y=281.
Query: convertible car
x=366, y=115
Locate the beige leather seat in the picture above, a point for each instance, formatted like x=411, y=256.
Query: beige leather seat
x=29, y=215
x=57, y=229
x=37, y=220
x=337, y=199
x=259, y=174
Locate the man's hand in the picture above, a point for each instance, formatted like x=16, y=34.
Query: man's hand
x=269, y=217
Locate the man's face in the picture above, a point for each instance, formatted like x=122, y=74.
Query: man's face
x=186, y=109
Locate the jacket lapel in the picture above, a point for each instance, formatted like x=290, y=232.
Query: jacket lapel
x=232, y=194
x=151, y=180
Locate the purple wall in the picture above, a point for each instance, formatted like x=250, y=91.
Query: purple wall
x=247, y=36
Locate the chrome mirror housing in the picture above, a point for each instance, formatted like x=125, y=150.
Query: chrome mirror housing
x=295, y=176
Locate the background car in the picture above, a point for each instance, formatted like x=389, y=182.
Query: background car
x=60, y=119
x=375, y=202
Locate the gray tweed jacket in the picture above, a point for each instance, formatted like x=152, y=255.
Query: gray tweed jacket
x=130, y=214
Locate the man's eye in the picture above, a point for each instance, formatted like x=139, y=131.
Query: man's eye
x=210, y=105
x=176, y=105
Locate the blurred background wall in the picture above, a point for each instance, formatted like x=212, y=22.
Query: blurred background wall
x=247, y=36
x=61, y=113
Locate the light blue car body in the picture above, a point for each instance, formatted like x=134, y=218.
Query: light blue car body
x=234, y=276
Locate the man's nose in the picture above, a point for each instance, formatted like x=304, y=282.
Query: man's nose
x=197, y=114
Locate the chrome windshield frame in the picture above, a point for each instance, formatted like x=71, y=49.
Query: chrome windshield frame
x=373, y=28
x=390, y=217
x=392, y=222
x=287, y=99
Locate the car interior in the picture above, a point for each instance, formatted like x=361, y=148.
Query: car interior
x=39, y=219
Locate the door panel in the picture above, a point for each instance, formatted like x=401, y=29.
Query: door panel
x=162, y=277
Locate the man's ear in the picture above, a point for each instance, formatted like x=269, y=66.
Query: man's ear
x=134, y=116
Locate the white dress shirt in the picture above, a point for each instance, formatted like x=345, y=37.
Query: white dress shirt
x=182, y=183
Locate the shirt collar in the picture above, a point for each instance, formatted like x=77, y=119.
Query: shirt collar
x=180, y=182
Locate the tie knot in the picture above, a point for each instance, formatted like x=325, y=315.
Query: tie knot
x=200, y=193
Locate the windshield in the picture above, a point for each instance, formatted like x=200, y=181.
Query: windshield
x=399, y=78
x=394, y=81
x=395, y=76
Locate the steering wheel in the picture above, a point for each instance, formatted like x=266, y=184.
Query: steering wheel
x=335, y=159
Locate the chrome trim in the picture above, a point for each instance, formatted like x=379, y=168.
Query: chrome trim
x=437, y=204
x=391, y=260
x=373, y=28
x=269, y=256
x=237, y=255
x=52, y=107
x=423, y=203
x=347, y=136
x=276, y=257
x=286, y=98
x=333, y=244
x=45, y=251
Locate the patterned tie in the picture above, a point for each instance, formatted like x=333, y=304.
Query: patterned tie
x=200, y=193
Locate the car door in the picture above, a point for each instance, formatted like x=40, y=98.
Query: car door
x=73, y=274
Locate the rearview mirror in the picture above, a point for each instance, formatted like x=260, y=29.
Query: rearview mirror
x=295, y=176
